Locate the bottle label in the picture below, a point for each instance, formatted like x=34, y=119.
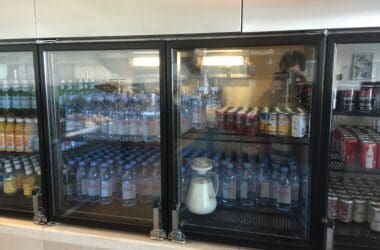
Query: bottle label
x=84, y=186
x=26, y=102
x=275, y=190
x=6, y=102
x=2, y=142
x=264, y=189
x=129, y=190
x=229, y=190
x=93, y=187
x=295, y=191
x=19, y=143
x=29, y=141
x=10, y=142
x=243, y=190
x=19, y=181
x=106, y=189
x=28, y=189
x=16, y=104
x=285, y=194
x=10, y=186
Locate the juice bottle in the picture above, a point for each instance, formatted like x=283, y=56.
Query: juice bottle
x=28, y=182
x=18, y=175
x=19, y=135
x=9, y=182
x=10, y=135
x=29, y=136
x=2, y=134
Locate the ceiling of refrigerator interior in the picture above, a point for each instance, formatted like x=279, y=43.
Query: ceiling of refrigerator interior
x=121, y=66
x=248, y=78
x=16, y=66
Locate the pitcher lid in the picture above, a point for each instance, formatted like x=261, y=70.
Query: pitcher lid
x=201, y=164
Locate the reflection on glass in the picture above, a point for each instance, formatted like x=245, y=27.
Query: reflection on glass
x=354, y=177
x=105, y=133
x=244, y=137
x=20, y=171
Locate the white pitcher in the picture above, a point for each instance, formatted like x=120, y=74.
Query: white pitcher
x=201, y=196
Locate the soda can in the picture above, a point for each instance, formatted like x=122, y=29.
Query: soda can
x=370, y=205
x=367, y=98
x=332, y=207
x=272, y=124
x=350, y=149
x=349, y=100
x=375, y=223
x=263, y=120
x=252, y=122
x=368, y=152
x=241, y=119
x=299, y=124
x=360, y=210
x=377, y=141
x=345, y=209
x=231, y=118
x=221, y=115
x=284, y=123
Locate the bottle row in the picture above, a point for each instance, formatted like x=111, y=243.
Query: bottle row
x=19, y=174
x=19, y=135
x=355, y=199
x=247, y=180
x=108, y=116
x=108, y=174
x=18, y=96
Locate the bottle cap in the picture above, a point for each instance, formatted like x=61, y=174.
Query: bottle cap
x=93, y=164
x=8, y=170
x=10, y=119
x=2, y=119
x=104, y=165
x=17, y=166
x=19, y=120
x=28, y=171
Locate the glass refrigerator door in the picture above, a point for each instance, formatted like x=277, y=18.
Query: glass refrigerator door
x=243, y=139
x=104, y=133
x=20, y=171
x=354, y=168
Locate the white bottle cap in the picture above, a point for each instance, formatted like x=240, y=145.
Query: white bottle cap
x=28, y=171
x=7, y=165
x=8, y=170
x=2, y=119
x=28, y=120
x=19, y=120
x=17, y=166
x=27, y=167
x=10, y=119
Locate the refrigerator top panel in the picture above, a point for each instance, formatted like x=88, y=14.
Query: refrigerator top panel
x=20, y=169
x=104, y=124
x=242, y=136
x=354, y=167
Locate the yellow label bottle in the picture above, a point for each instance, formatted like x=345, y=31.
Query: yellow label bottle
x=28, y=183
x=2, y=134
x=19, y=135
x=10, y=135
x=9, y=182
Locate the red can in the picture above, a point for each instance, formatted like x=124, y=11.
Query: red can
x=368, y=154
x=378, y=154
x=231, y=118
x=241, y=118
x=221, y=115
x=367, y=98
x=252, y=122
x=350, y=149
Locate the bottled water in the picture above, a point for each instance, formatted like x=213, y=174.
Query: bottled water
x=199, y=110
x=145, y=185
x=81, y=181
x=70, y=115
x=6, y=98
x=218, y=171
x=213, y=103
x=264, y=184
x=121, y=118
x=129, y=187
x=186, y=114
x=246, y=186
x=275, y=186
x=285, y=191
x=69, y=180
x=150, y=120
x=229, y=187
x=93, y=191
x=156, y=180
x=105, y=184
x=135, y=119
x=295, y=185
x=16, y=89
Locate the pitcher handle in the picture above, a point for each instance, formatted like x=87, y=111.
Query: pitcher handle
x=217, y=184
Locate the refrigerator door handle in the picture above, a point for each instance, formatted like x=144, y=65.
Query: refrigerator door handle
x=157, y=233
x=39, y=216
x=176, y=235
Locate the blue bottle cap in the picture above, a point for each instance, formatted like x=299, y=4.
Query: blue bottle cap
x=93, y=164
x=104, y=165
x=82, y=163
x=71, y=162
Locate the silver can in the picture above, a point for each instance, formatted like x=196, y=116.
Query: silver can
x=375, y=224
x=346, y=205
x=299, y=124
x=332, y=207
x=370, y=205
x=359, y=213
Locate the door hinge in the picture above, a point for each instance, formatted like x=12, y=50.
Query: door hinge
x=39, y=214
x=157, y=233
x=176, y=234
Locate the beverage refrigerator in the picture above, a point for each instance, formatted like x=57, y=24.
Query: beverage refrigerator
x=20, y=130
x=105, y=106
x=351, y=128
x=244, y=133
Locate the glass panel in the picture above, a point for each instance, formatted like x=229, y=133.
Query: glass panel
x=104, y=120
x=20, y=171
x=354, y=176
x=244, y=147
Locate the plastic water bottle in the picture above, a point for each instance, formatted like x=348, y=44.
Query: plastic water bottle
x=6, y=98
x=156, y=180
x=246, y=186
x=213, y=103
x=229, y=186
x=285, y=191
x=81, y=181
x=295, y=184
x=135, y=119
x=16, y=89
x=264, y=184
x=69, y=180
x=93, y=191
x=275, y=186
x=105, y=184
x=121, y=118
x=70, y=115
x=145, y=194
x=129, y=186
x=186, y=114
x=199, y=111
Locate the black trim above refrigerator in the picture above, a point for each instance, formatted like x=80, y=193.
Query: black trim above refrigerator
x=103, y=222
x=211, y=233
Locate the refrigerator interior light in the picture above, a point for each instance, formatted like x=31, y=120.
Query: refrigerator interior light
x=223, y=61
x=151, y=61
